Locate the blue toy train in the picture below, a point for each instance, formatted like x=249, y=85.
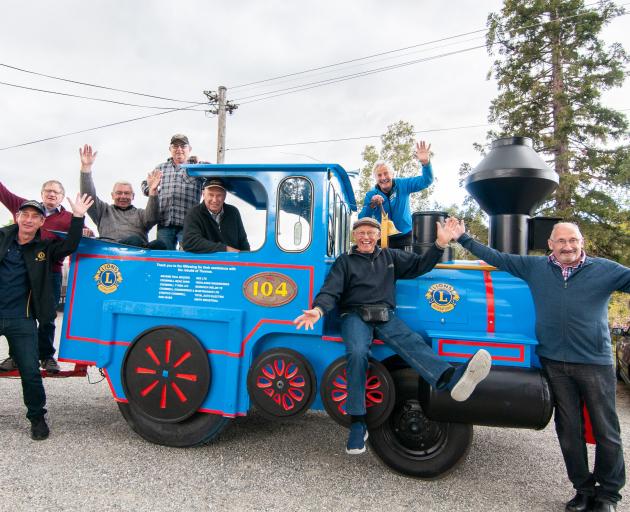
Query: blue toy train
x=188, y=341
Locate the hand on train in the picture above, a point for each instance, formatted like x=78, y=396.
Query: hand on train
x=308, y=319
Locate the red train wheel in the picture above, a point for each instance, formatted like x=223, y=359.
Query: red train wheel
x=281, y=383
x=380, y=394
x=166, y=374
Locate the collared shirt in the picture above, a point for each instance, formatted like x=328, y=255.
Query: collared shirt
x=51, y=211
x=217, y=217
x=567, y=270
x=177, y=193
x=14, y=283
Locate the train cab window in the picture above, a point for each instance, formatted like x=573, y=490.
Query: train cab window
x=295, y=214
x=250, y=197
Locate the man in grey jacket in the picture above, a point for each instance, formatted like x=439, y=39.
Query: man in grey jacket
x=121, y=221
x=571, y=291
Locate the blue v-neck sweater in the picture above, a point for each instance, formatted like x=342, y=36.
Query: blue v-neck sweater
x=571, y=315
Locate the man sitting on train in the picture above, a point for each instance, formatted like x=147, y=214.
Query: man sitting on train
x=121, y=222
x=362, y=283
x=213, y=225
x=392, y=195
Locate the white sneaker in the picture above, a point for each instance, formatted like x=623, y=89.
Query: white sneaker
x=477, y=369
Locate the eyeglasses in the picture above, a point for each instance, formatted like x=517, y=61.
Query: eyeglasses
x=52, y=191
x=563, y=241
x=183, y=146
x=369, y=234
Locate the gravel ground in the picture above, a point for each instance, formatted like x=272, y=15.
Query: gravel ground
x=93, y=461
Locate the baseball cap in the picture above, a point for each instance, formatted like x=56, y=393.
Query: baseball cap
x=181, y=138
x=33, y=204
x=214, y=182
x=366, y=221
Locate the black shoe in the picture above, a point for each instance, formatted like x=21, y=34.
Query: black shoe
x=50, y=365
x=8, y=365
x=580, y=503
x=604, y=506
x=39, y=429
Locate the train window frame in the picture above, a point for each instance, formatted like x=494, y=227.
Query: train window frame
x=331, y=225
x=310, y=219
x=231, y=198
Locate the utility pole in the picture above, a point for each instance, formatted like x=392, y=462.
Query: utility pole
x=222, y=106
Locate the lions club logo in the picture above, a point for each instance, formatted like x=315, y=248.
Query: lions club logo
x=442, y=297
x=41, y=256
x=108, y=277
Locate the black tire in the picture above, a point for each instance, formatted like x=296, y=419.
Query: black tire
x=166, y=377
x=198, y=429
x=410, y=443
x=281, y=384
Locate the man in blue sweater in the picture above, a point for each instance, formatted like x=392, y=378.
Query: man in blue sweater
x=571, y=292
x=392, y=195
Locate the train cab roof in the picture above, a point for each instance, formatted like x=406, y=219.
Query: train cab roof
x=250, y=182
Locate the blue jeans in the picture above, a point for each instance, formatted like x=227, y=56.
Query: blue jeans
x=46, y=332
x=21, y=333
x=594, y=385
x=358, y=335
x=170, y=235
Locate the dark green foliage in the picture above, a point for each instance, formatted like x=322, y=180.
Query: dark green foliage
x=551, y=68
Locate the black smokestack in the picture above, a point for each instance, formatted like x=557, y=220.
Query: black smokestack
x=509, y=184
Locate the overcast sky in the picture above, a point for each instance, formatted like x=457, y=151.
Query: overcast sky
x=178, y=49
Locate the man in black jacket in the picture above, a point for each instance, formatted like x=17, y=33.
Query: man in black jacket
x=213, y=225
x=362, y=283
x=25, y=265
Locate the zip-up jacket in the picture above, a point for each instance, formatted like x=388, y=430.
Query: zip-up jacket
x=571, y=315
x=203, y=234
x=357, y=279
x=59, y=221
x=39, y=257
x=396, y=202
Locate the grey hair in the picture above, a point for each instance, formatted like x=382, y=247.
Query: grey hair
x=49, y=182
x=122, y=182
x=565, y=225
x=382, y=163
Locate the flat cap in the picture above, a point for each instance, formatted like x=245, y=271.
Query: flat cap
x=366, y=221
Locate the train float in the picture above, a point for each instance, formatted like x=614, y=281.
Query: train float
x=188, y=342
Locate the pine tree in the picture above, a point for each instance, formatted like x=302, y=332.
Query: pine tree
x=551, y=68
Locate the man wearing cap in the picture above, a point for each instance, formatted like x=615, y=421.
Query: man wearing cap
x=57, y=219
x=121, y=221
x=177, y=193
x=361, y=283
x=392, y=195
x=213, y=225
x=26, y=261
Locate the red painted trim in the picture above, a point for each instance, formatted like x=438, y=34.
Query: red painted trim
x=487, y=279
x=76, y=361
x=489, y=344
x=221, y=413
x=99, y=342
x=249, y=336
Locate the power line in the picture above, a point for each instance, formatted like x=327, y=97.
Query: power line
x=92, y=85
x=312, y=85
x=99, y=127
x=58, y=93
x=304, y=143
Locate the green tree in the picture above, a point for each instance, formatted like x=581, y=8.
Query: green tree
x=398, y=148
x=551, y=68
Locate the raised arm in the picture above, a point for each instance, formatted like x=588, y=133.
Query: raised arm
x=88, y=157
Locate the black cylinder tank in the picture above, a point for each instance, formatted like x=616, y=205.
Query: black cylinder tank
x=424, y=232
x=509, y=184
x=508, y=397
